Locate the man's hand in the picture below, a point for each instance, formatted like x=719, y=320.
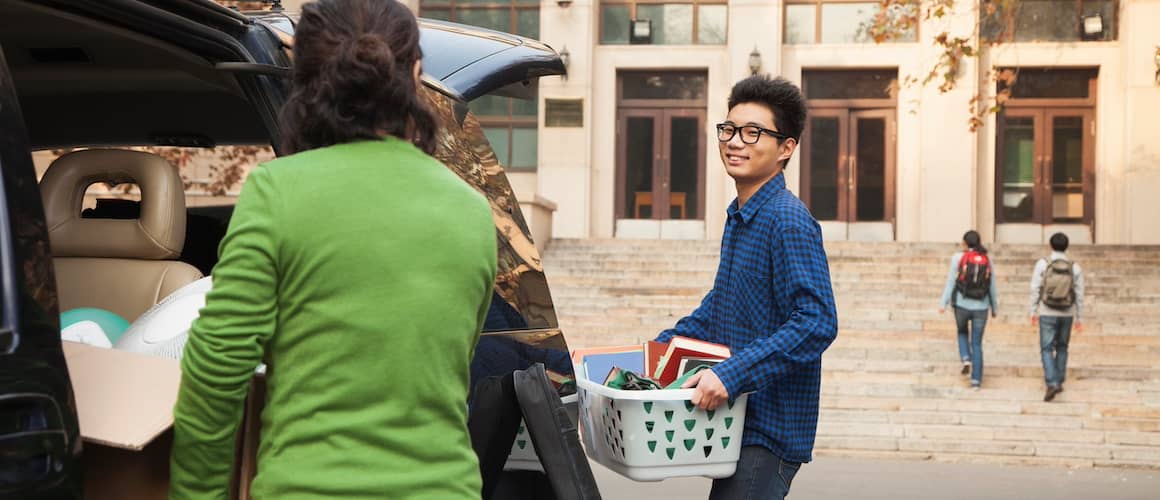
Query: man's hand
x=1079, y=326
x=710, y=392
x=1034, y=320
x=942, y=310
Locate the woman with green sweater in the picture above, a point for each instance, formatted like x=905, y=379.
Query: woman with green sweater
x=360, y=269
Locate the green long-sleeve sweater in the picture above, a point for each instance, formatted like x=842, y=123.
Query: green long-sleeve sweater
x=363, y=273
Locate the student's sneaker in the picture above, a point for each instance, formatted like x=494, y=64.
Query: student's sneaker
x=975, y=386
x=966, y=368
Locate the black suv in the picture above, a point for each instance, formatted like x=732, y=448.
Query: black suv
x=193, y=74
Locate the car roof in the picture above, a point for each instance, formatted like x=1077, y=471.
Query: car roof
x=88, y=77
x=467, y=60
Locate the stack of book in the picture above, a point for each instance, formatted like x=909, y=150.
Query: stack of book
x=663, y=362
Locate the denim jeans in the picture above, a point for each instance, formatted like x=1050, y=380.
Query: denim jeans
x=974, y=351
x=760, y=475
x=1054, y=334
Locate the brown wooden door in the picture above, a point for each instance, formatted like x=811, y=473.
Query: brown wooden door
x=848, y=165
x=1045, y=162
x=660, y=163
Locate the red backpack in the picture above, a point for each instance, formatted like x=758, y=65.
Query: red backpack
x=974, y=280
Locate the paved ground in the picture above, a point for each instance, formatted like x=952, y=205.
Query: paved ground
x=842, y=478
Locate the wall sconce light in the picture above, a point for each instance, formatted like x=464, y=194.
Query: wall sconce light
x=754, y=61
x=1093, y=27
x=566, y=59
x=563, y=3
x=641, y=31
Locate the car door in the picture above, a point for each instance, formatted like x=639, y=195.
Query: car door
x=39, y=437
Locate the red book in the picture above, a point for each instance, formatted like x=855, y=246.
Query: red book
x=653, y=351
x=684, y=347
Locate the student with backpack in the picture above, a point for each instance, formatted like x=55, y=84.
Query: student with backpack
x=970, y=288
x=1056, y=300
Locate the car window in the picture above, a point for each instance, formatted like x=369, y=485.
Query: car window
x=212, y=176
x=522, y=291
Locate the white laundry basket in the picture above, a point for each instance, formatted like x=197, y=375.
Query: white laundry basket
x=523, y=455
x=654, y=435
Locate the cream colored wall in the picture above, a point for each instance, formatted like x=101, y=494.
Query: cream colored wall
x=524, y=184
x=750, y=22
x=564, y=175
x=1141, y=122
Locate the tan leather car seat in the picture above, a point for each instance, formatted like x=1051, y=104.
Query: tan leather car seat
x=124, y=266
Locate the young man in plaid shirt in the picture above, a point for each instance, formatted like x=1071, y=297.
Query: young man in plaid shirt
x=771, y=301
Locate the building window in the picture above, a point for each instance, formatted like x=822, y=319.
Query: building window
x=510, y=124
x=689, y=22
x=521, y=17
x=841, y=21
x=1050, y=20
x=510, y=127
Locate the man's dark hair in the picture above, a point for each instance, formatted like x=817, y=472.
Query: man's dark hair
x=352, y=78
x=1059, y=242
x=781, y=96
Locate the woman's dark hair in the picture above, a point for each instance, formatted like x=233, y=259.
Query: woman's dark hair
x=974, y=242
x=353, y=80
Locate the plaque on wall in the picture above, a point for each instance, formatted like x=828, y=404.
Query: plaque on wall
x=564, y=113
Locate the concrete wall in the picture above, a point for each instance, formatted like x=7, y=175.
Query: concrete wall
x=1140, y=124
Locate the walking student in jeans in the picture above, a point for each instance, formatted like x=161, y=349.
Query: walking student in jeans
x=970, y=289
x=1056, y=298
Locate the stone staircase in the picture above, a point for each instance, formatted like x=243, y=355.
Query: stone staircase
x=891, y=384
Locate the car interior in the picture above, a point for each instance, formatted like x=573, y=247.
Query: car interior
x=82, y=83
x=120, y=265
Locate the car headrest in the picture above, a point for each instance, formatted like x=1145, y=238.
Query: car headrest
x=158, y=234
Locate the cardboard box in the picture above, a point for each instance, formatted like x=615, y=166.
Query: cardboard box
x=125, y=407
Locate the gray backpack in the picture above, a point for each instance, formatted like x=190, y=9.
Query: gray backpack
x=1058, y=290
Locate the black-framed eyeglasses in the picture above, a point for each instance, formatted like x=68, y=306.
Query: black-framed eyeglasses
x=750, y=134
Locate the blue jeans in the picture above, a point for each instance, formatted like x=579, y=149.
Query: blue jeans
x=760, y=475
x=974, y=351
x=1054, y=334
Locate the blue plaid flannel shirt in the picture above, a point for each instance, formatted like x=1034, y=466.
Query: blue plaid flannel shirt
x=773, y=305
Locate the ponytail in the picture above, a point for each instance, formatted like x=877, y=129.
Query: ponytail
x=974, y=241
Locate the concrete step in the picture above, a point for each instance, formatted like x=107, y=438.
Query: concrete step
x=891, y=383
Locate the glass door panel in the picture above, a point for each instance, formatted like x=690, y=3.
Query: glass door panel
x=684, y=164
x=824, y=165
x=1017, y=139
x=640, y=146
x=1066, y=161
x=824, y=157
x=1045, y=157
x=869, y=167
